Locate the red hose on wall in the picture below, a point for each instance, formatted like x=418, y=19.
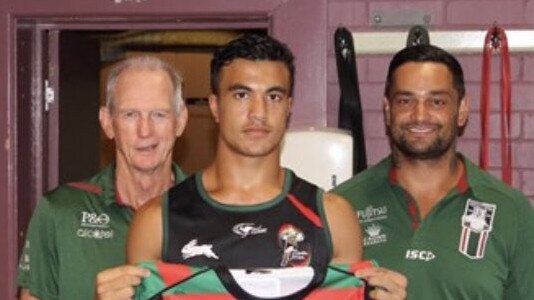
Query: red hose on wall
x=496, y=42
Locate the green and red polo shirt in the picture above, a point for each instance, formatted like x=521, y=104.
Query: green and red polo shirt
x=76, y=230
x=476, y=243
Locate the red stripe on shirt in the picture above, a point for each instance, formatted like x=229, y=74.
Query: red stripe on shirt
x=92, y=188
x=364, y=264
x=306, y=211
x=172, y=273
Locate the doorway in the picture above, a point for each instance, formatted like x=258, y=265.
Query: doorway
x=82, y=90
x=65, y=132
x=31, y=39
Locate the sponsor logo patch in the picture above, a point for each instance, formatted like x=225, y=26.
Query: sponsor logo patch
x=371, y=214
x=374, y=235
x=477, y=223
x=192, y=249
x=24, y=263
x=248, y=229
x=417, y=254
x=94, y=226
x=291, y=239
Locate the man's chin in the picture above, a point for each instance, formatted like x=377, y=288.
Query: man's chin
x=147, y=167
x=423, y=153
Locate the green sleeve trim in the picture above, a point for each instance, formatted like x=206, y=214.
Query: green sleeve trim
x=165, y=225
x=43, y=273
x=179, y=174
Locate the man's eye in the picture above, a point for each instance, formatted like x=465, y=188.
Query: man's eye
x=275, y=97
x=159, y=115
x=404, y=101
x=129, y=114
x=241, y=95
x=438, y=102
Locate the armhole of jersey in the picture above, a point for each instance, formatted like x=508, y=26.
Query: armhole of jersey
x=165, y=225
x=326, y=227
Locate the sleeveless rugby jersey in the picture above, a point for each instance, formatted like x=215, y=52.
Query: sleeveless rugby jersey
x=182, y=282
x=289, y=230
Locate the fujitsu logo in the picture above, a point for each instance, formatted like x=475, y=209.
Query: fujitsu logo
x=246, y=229
x=371, y=213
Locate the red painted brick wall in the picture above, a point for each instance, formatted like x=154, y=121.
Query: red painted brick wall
x=447, y=15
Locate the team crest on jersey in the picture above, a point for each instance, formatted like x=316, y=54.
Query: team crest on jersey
x=295, y=252
x=477, y=223
x=193, y=249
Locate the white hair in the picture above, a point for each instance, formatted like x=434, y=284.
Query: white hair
x=150, y=63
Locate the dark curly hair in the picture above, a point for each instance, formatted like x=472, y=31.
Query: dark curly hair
x=251, y=47
x=427, y=53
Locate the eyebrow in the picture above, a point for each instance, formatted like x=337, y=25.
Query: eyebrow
x=431, y=93
x=238, y=86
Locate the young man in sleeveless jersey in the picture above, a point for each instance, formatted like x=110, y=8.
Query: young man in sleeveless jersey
x=245, y=210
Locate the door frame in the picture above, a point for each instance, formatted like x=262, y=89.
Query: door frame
x=302, y=24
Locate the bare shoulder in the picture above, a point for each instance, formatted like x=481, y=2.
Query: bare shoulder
x=150, y=208
x=146, y=232
x=335, y=202
x=344, y=229
x=339, y=210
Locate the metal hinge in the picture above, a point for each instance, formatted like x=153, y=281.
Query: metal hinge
x=49, y=95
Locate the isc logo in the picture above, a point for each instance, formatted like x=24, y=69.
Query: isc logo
x=425, y=255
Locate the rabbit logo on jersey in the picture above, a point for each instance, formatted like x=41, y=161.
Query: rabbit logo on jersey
x=291, y=239
x=94, y=226
x=477, y=223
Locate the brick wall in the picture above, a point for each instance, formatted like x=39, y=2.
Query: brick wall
x=446, y=15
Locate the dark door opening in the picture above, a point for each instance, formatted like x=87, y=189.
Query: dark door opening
x=61, y=135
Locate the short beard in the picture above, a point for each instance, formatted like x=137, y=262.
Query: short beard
x=436, y=150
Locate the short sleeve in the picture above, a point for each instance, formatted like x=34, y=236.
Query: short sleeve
x=519, y=284
x=38, y=267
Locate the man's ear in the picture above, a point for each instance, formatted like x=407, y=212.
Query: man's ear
x=214, y=107
x=387, y=112
x=182, y=118
x=463, y=112
x=290, y=100
x=106, y=122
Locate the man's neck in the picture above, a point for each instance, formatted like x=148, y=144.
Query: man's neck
x=136, y=187
x=239, y=180
x=428, y=181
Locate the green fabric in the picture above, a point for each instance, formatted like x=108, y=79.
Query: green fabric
x=430, y=256
x=74, y=234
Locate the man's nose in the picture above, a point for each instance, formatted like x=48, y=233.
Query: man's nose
x=145, y=126
x=258, y=108
x=420, y=111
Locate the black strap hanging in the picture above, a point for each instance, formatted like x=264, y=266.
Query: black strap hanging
x=350, y=108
